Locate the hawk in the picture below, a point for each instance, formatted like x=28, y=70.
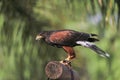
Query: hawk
x=67, y=39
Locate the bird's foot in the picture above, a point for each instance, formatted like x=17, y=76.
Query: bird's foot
x=66, y=62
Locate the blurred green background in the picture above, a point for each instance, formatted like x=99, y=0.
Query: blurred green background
x=24, y=58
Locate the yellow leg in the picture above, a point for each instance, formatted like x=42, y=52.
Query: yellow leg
x=71, y=55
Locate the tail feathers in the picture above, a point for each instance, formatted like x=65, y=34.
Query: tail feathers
x=94, y=48
x=93, y=34
x=99, y=51
x=92, y=39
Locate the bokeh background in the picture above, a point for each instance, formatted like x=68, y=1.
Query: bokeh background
x=24, y=58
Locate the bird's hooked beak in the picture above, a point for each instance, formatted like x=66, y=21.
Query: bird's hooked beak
x=38, y=37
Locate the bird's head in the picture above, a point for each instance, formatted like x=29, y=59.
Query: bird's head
x=43, y=35
x=40, y=36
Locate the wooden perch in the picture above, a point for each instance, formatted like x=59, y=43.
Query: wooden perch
x=58, y=71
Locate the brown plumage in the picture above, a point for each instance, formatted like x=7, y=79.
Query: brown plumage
x=67, y=39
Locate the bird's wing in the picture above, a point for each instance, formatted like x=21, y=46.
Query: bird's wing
x=68, y=37
x=60, y=37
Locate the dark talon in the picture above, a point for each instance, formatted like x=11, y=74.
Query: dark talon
x=69, y=63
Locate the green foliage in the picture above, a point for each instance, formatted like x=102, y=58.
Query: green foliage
x=23, y=58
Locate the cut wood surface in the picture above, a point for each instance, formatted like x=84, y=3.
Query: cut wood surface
x=58, y=71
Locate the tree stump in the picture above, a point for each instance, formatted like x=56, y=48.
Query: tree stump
x=58, y=71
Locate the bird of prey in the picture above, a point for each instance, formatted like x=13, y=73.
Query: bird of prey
x=67, y=39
